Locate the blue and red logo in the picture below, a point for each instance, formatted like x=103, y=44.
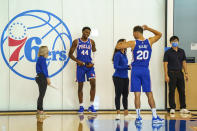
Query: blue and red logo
x=25, y=33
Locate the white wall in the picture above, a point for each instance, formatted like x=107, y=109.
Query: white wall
x=170, y=20
x=4, y=77
x=113, y=19
x=170, y=29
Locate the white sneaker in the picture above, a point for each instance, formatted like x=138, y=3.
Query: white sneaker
x=118, y=117
x=185, y=115
x=172, y=115
x=184, y=111
x=128, y=117
x=172, y=111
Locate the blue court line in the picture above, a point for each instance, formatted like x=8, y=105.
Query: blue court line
x=51, y=30
x=17, y=61
x=4, y=39
x=42, y=24
x=56, y=40
x=48, y=63
x=47, y=23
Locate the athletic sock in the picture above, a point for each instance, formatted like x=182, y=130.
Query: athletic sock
x=91, y=103
x=138, y=112
x=81, y=104
x=154, y=112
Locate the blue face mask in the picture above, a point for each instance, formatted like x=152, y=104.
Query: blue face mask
x=175, y=44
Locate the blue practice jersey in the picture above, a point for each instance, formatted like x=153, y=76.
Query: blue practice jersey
x=142, y=53
x=84, y=51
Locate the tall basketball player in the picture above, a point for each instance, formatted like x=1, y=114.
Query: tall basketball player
x=85, y=66
x=140, y=74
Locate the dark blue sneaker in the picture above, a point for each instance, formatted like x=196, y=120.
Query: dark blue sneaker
x=157, y=120
x=138, y=120
x=81, y=109
x=91, y=109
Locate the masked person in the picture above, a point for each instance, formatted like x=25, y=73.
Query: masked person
x=174, y=62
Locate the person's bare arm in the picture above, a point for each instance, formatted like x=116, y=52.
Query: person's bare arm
x=93, y=45
x=157, y=34
x=123, y=45
x=185, y=69
x=167, y=79
x=72, y=49
x=93, y=54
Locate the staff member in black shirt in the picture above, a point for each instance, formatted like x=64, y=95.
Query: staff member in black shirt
x=174, y=61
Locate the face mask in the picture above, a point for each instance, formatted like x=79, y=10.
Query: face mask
x=174, y=44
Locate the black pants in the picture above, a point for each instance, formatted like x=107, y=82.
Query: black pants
x=42, y=84
x=176, y=80
x=121, y=88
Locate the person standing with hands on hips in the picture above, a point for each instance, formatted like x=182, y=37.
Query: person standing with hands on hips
x=42, y=78
x=174, y=62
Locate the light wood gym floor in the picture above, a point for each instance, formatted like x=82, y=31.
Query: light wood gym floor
x=104, y=121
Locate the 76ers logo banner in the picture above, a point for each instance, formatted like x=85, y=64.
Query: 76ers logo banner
x=25, y=33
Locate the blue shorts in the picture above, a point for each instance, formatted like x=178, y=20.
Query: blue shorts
x=83, y=71
x=140, y=77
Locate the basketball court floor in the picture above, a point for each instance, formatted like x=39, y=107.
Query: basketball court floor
x=104, y=121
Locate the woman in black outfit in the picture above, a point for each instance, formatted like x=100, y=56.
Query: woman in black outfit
x=42, y=78
x=121, y=80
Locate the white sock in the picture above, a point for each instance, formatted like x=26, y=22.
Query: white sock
x=80, y=104
x=91, y=103
x=138, y=112
x=154, y=112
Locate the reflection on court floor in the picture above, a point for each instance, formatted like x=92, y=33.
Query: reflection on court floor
x=101, y=122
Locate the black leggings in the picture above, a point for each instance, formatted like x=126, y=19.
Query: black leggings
x=176, y=80
x=42, y=84
x=121, y=88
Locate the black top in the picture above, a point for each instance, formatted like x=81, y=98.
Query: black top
x=175, y=59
